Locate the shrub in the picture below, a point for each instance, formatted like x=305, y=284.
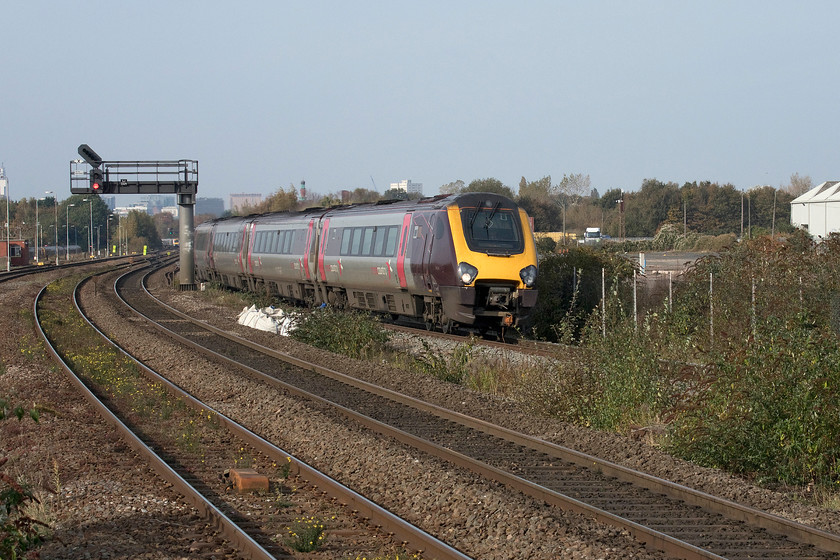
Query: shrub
x=771, y=410
x=18, y=531
x=351, y=333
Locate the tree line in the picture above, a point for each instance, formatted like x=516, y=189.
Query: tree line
x=571, y=205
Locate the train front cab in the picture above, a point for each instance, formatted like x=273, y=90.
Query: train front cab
x=497, y=263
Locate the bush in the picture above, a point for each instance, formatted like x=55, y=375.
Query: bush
x=351, y=333
x=569, y=287
x=18, y=531
x=771, y=410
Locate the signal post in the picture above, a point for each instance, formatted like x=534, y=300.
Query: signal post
x=93, y=175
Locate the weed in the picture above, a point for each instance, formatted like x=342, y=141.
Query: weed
x=306, y=534
x=20, y=530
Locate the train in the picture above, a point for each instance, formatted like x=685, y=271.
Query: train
x=458, y=260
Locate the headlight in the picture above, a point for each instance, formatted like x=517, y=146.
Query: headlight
x=529, y=275
x=467, y=273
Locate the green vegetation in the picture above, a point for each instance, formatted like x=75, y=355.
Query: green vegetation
x=351, y=333
x=743, y=373
x=740, y=372
x=19, y=531
x=306, y=534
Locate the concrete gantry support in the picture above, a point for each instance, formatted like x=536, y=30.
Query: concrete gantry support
x=186, y=211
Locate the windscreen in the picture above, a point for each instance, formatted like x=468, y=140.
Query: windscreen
x=493, y=226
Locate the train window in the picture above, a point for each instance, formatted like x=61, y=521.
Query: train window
x=271, y=241
x=438, y=225
x=286, y=247
x=379, y=243
x=391, y=243
x=367, y=244
x=346, y=235
x=492, y=228
x=356, y=242
x=299, y=245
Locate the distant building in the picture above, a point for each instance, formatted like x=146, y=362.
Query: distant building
x=213, y=206
x=157, y=202
x=123, y=211
x=239, y=201
x=818, y=210
x=409, y=187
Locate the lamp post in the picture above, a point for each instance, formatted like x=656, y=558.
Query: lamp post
x=36, y=229
x=108, y=236
x=67, y=234
x=8, y=225
x=55, y=207
x=90, y=232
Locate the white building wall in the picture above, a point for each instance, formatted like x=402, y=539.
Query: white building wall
x=818, y=209
x=406, y=185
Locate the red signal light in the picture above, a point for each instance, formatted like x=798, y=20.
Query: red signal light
x=95, y=187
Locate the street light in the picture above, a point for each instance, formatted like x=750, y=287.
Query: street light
x=108, y=235
x=55, y=207
x=8, y=225
x=67, y=238
x=90, y=232
x=37, y=225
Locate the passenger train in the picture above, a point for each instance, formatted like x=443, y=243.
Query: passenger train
x=467, y=259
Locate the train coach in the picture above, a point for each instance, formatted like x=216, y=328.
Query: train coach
x=466, y=259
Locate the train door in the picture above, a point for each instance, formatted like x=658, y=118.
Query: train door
x=404, y=236
x=211, y=242
x=304, y=265
x=427, y=231
x=250, y=250
x=241, y=255
x=323, y=266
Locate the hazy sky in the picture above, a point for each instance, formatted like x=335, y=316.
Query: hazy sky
x=342, y=94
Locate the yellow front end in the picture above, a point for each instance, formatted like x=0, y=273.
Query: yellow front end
x=496, y=265
x=492, y=267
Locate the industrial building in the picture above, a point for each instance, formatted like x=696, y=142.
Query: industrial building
x=818, y=210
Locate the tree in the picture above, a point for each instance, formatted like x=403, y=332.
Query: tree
x=575, y=185
x=453, y=187
x=362, y=196
x=538, y=200
x=647, y=209
x=490, y=185
x=140, y=231
x=395, y=194
x=537, y=190
x=280, y=201
x=798, y=185
x=166, y=225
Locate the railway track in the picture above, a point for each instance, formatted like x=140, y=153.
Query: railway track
x=532, y=347
x=240, y=518
x=678, y=520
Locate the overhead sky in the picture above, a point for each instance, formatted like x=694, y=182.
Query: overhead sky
x=356, y=94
